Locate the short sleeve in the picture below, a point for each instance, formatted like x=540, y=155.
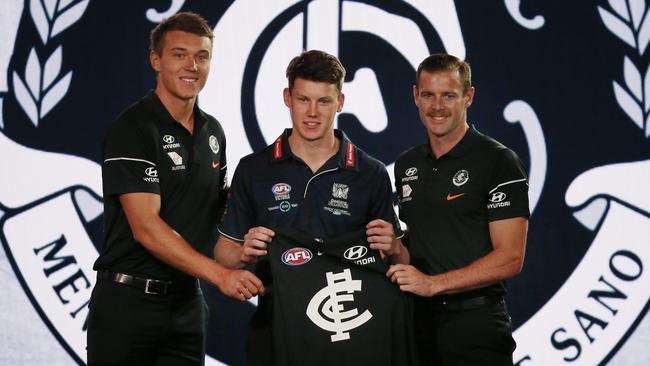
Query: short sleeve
x=239, y=217
x=381, y=205
x=508, y=194
x=129, y=160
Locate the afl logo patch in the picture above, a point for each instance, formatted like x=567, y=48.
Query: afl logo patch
x=296, y=256
x=281, y=188
x=461, y=177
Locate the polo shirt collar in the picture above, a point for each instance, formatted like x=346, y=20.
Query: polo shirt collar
x=465, y=144
x=158, y=108
x=347, y=154
x=461, y=148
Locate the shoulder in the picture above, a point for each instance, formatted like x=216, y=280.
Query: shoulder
x=369, y=163
x=488, y=146
x=412, y=154
x=213, y=124
x=134, y=118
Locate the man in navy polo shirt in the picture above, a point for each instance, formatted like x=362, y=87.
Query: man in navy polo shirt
x=164, y=179
x=464, y=197
x=311, y=178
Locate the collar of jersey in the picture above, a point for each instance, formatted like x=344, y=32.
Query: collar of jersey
x=281, y=151
x=153, y=102
x=461, y=149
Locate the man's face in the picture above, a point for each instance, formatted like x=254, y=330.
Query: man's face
x=183, y=65
x=441, y=103
x=313, y=106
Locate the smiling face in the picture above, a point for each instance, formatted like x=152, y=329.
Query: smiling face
x=313, y=106
x=442, y=104
x=182, y=65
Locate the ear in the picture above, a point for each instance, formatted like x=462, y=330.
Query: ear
x=287, y=97
x=341, y=100
x=415, y=95
x=470, y=96
x=155, y=60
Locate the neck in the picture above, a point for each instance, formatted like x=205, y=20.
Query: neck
x=440, y=145
x=182, y=110
x=314, y=153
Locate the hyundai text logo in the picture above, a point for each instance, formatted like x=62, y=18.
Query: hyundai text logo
x=168, y=139
x=355, y=252
x=151, y=171
x=411, y=171
x=497, y=197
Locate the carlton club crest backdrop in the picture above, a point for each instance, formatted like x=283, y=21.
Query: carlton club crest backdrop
x=566, y=84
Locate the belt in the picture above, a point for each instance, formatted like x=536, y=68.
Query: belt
x=150, y=286
x=450, y=304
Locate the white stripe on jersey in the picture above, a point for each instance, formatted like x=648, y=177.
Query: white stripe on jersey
x=130, y=159
x=506, y=183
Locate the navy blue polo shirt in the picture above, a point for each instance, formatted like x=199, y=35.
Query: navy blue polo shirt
x=276, y=189
x=448, y=202
x=146, y=150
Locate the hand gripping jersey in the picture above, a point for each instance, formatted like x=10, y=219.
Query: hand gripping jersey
x=334, y=305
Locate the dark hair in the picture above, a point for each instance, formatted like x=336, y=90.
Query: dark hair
x=186, y=22
x=445, y=62
x=316, y=65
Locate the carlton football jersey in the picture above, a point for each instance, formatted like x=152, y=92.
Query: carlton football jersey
x=334, y=305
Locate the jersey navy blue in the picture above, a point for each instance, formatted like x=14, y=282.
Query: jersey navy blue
x=333, y=304
x=274, y=188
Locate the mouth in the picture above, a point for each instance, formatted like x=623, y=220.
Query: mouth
x=438, y=117
x=311, y=124
x=189, y=80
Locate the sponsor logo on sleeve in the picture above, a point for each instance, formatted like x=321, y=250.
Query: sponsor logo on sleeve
x=152, y=175
x=498, y=200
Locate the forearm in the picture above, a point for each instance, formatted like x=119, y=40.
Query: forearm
x=228, y=252
x=492, y=268
x=168, y=246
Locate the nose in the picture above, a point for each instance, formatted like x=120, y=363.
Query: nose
x=191, y=64
x=437, y=103
x=312, y=110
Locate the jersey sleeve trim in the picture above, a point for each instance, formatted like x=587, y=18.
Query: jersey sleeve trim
x=129, y=159
x=506, y=183
x=230, y=237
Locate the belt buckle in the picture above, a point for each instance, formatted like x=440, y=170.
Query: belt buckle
x=154, y=291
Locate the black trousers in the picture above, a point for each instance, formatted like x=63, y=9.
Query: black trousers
x=475, y=337
x=129, y=327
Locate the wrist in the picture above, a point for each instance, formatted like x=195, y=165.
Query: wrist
x=219, y=275
x=435, y=283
